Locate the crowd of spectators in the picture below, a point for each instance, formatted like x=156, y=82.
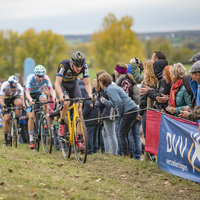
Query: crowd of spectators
x=115, y=122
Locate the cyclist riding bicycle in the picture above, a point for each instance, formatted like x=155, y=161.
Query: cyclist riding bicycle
x=33, y=91
x=67, y=85
x=11, y=93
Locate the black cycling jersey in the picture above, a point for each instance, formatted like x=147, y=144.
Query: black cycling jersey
x=65, y=70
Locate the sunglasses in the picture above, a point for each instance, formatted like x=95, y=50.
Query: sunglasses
x=77, y=66
x=40, y=76
x=12, y=86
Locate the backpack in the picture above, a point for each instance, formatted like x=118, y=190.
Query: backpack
x=135, y=94
x=132, y=89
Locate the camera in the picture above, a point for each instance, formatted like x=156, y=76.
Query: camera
x=136, y=60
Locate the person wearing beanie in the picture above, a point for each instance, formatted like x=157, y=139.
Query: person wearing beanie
x=163, y=86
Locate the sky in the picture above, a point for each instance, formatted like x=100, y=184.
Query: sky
x=86, y=16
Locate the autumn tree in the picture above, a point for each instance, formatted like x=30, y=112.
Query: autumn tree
x=114, y=42
x=45, y=48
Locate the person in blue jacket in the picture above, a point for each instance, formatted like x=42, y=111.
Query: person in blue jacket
x=125, y=107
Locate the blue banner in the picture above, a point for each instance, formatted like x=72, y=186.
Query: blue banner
x=29, y=65
x=179, y=148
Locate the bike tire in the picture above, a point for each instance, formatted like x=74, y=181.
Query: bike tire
x=65, y=144
x=36, y=137
x=46, y=134
x=14, y=134
x=80, y=141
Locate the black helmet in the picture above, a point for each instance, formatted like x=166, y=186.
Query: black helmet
x=78, y=59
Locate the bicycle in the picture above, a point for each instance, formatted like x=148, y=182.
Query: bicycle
x=42, y=127
x=13, y=127
x=75, y=133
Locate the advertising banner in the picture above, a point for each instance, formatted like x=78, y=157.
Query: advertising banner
x=152, y=131
x=179, y=148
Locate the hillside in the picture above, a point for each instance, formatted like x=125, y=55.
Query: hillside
x=175, y=37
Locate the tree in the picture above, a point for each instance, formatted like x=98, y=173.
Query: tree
x=114, y=42
x=45, y=48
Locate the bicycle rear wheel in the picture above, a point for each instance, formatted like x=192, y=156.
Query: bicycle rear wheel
x=80, y=141
x=46, y=134
x=36, y=137
x=65, y=144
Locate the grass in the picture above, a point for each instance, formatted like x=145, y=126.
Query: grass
x=26, y=174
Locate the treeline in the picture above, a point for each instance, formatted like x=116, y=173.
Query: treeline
x=114, y=42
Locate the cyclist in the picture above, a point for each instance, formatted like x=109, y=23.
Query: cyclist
x=11, y=93
x=33, y=91
x=67, y=85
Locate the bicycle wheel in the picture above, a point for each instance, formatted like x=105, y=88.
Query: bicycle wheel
x=36, y=137
x=14, y=133
x=46, y=134
x=65, y=144
x=80, y=141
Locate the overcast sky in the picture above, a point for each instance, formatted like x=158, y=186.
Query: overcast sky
x=86, y=16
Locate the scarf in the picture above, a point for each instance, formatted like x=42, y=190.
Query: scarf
x=174, y=89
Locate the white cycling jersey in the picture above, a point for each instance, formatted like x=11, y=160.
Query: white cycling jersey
x=8, y=93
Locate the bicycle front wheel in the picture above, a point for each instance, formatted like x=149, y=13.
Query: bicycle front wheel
x=65, y=144
x=80, y=141
x=46, y=134
x=14, y=133
x=36, y=136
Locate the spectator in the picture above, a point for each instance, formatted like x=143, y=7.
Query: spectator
x=127, y=82
x=108, y=129
x=163, y=87
x=166, y=75
x=151, y=81
x=158, y=55
x=125, y=107
x=194, y=84
x=136, y=63
x=91, y=125
x=146, y=102
x=178, y=98
x=195, y=58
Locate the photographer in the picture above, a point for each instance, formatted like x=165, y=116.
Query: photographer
x=135, y=64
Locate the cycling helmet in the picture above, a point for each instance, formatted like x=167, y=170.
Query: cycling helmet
x=40, y=70
x=13, y=80
x=78, y=59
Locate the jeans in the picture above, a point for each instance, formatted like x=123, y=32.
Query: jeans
x=126, y=123
x=109, y=136
x=56, y=142
x=144, y=123
x=100, y=139
x=92, y=135
x=135, y=142
x=117, y=122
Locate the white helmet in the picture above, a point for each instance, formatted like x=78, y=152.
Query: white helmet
x=40, y=70
x=13, y=80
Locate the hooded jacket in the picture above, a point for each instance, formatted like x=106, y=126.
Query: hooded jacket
x=163, y=87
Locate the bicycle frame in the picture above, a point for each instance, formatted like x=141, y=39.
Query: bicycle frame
x=72, y=123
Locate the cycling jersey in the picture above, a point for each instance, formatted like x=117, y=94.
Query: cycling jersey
x=65, y=70
x=33, y=86
x=8, y=93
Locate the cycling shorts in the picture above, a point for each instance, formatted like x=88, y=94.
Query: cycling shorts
x=9, y=101
x=71, y=89
x=37, y=96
